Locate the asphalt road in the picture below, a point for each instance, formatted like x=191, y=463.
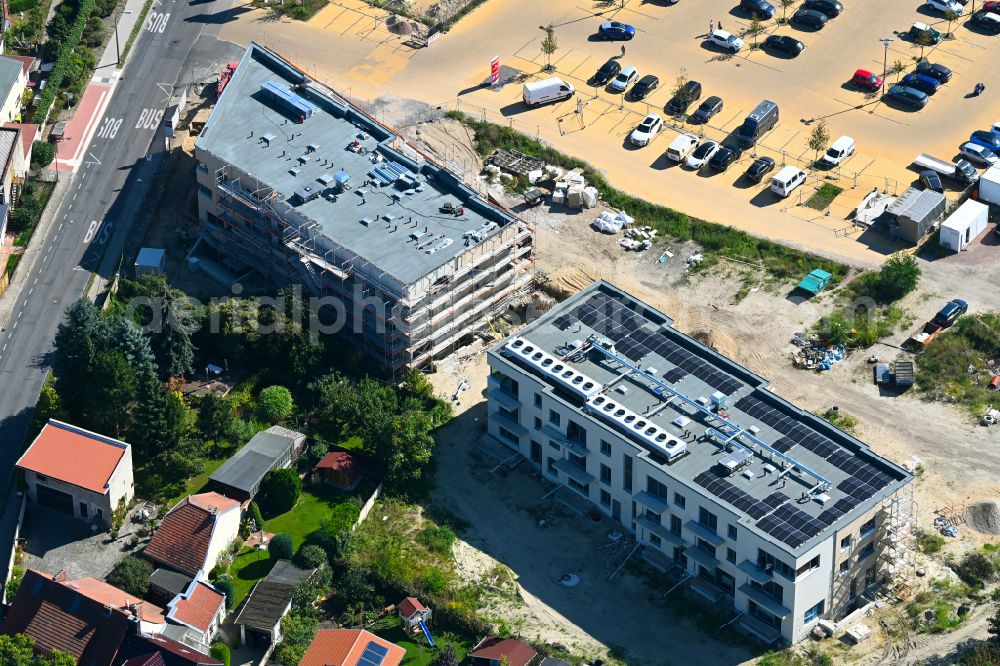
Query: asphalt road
x=102, y=206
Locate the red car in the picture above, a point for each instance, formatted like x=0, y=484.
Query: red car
x=866, y=80
x=991, y=7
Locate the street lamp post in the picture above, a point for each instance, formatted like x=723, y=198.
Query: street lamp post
x=118, y=51
x=885, y=57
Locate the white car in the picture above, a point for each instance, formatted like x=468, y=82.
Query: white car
x=681, y=147
x=944, y=6
x=702, y=154
x=725, y=40
x=647, y=129
x=625, y=78
x=978, y=154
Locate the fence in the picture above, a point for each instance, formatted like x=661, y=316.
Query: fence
x=13, y=547
x=366, y=509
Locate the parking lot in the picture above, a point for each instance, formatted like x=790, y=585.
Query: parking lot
x=669, y=37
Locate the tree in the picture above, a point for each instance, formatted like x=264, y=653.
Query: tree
x=445, y=657
x=924, y=40
x=49, y=406
x=785, y=4
x=353, y=586
x=221, y=652
x=18, y=650
x=110, y=393
x=975, y=570
x=680, y=91
x=281, y=547
x=754, y=30
x=275, y=404
x=549, y=45
x=897, y=277
x=225, y=585
x=74, y=353
x=950, y=16
x=280, y=491
x=334, y=535
x=819, y=138
x=404, y=447
x=897, y=68
x=257, y=518
x=215, y=417
x=131, y=575
x=171, y=341
x=160, y=418
x=297, y=633
x=311, y=556
x=42, y=153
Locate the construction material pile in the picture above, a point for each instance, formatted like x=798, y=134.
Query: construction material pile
x=611, y=223
x=638, y=238
x=984, y=517
x=815, y=356
x=570, y=188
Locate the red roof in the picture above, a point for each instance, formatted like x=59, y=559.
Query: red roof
x=344, y=647
x=197, y=607
x=109, y=595
x=181, y=542
x=338, y=461
x=141, y=646
x=154, y=659
x=409, y=606
x=213, y=501
x=74, y=455
x=28, y=133
x=517, y=652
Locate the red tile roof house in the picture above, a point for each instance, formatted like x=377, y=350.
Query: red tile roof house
x=195, y=615
x=194, y=533
x=347, y=647
x=78, y=472
x=490, y=651
x=338, y=468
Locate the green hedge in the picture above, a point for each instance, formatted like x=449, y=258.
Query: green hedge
x=54, y=83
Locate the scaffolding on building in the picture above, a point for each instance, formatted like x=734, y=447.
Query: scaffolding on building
x=897, y=541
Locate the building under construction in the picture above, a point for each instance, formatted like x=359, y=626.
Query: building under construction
x=297, y=184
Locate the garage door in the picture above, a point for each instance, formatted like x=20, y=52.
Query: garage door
x=55, y=499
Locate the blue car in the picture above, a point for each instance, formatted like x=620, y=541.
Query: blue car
x=922, y=82
x=615, y=31
x=986, y=139
x=758, y=9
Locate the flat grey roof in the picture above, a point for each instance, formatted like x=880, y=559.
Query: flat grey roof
x=259, y=136
x=270, y=597
x=647, y=356
x=249, y=465
x=170, y=581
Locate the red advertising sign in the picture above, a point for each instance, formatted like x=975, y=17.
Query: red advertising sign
x=495, y=71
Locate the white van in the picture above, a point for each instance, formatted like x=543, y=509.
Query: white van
x=838, y=151
x=541, y=92
x=787, y=180
x=681, y=147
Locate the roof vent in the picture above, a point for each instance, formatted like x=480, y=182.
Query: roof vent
x=417, y=234
x=312, y=148
x=549, y=366
x=266, y=139
x=325, y=179
x=632, y=424
x=303, y=159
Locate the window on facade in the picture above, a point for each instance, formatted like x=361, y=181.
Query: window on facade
x=845, y=565
x=866, y=551
x=507, y=385
x=731, y=555
x=605, y=474
x=582, y=488
x=579, y=461
x=507, y=435
x=868, y=528
x=651, y=516
x=655, y=488
x=605, y=498
x=538, y=423
x=808, y=566
x=605, y=448
x=554, y=417
x=204, y=190
x=846, y=542
x=553, y=445
x=512, y=414
x=770, y=588
x=551, y=466
x=679, y=500
x=576, y=433
x=769, y=562
x=708, y=519
x=675, y=524
x=538, y=401
x=655, y=540
x=763, y=615
x=536, y=452
x=870, y=577
x=732, y=532
x=813, y=613
x=707, y=547
x=627, y=472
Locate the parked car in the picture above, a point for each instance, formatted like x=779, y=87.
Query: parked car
x=950, y=312
x=908, y=97
x=978, y=154
x=680, y=102
x=608, y=71
x=725, y=156
x=810, y=18
x=759, y=9
x=988, y=21
x=702, y=154
x=831, y=8
x=725, y=40
x=647, y=129
x=987, y=139
x=925, y=84
x=760, y=168
x=921, y=32
x=644, y=86
x=934, y=70
x=991, y=6
x=681, y=147
x=931, y=180
x=625, y=78
x=945, y=6
x=615, y=31
x=711, y=106
x=866, y=80
x=784, y=44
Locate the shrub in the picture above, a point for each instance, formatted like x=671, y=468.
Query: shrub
x=897, y=277
x=42, y=153
x=311, y=556
x=14, y=584
x=131, y=575
x=225, y=585
x=281, y=547
x=221, y=652
x=63, y=59
x=275, y=404
x=255, y=514
x=437, y=539
x=280, y=491
x=929, y=542
x=975, y=570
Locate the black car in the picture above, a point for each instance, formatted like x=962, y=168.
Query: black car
x=931, y=180
x=950, y=312
x=711, y=106
x=905, y=96
x=644, y=86
x=724, y=156
x=758, y=9
x=608, y=71
x=680, y=102
x=760, y=168
x=831, y=8
x=810, y=18
x=784, y=44
x=934, y=70
x=987, y=21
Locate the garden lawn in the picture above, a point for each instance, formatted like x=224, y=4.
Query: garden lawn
x=248, y=567
x=418, y=652
x=314, y=506
x=197, y=484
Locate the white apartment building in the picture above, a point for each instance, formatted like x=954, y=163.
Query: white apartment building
x=743, y=496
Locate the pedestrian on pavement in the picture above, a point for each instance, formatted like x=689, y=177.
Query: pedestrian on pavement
x=711, y=26
x=720, y=25
x=623, y=50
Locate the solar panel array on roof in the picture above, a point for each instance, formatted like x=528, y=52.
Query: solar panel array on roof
x=373, y=655
x=727, y=492
x=791, y=525
x=834, y=513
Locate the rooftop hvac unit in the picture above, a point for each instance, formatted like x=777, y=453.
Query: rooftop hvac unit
x=550, y=366
x=630, y=422
x=291, y=103
x=267, y=138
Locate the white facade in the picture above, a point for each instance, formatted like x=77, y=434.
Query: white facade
x=224, y=532
x=963, y=225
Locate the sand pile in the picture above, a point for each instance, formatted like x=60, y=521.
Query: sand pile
x=984, y=517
